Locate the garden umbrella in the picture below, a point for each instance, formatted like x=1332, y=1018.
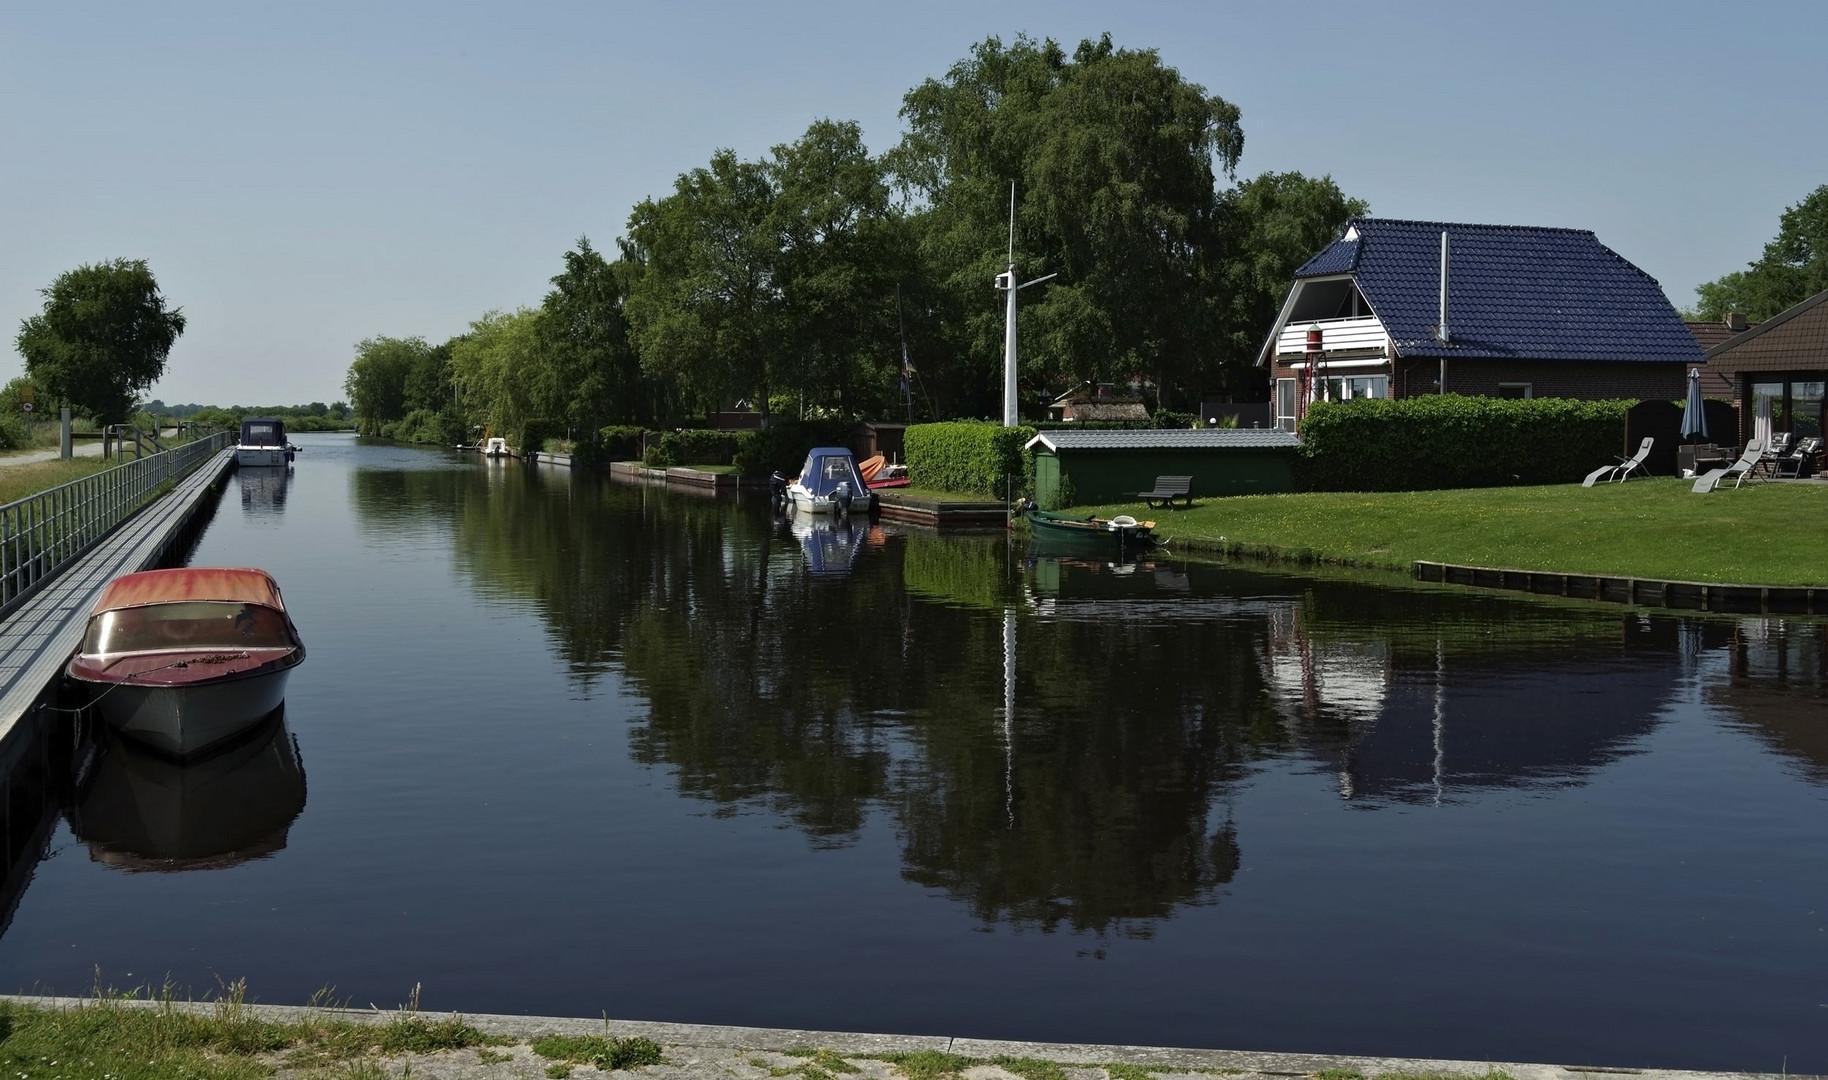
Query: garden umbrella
x=1694, y=414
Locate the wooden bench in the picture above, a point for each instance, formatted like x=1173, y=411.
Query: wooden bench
x=1167, y=489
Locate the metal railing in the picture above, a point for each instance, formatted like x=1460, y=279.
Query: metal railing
x=42, y=534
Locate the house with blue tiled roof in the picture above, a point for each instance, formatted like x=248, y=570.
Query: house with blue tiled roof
x=1391, y=309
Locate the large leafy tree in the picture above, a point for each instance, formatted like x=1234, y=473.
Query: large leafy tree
x=103, y=337
x=1115, y=158
x=377, y=380
x=588, y=373
x=497, y=369
x=1268, y=226
x=703, y=304
x=1793, y=268
x=840, y=255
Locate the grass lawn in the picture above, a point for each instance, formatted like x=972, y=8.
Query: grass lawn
x=18, y=481
x=1762, y=534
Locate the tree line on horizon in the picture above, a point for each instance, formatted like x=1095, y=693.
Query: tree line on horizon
x=798, y=282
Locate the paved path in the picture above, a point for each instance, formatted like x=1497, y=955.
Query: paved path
x=82, y=448
x=706, y=1052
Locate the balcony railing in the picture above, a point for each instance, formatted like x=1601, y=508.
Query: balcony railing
x=1361, y=335
x=43, y=533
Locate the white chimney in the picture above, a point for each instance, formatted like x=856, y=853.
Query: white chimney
x=1441, y=331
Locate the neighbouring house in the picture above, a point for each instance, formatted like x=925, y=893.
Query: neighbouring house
x=1530, y=312
x=1709, y=333
x=1100, y=403
x=1783, y=360
x=1073, y=467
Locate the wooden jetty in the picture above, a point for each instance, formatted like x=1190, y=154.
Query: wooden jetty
x=41, y=632
x=1644, y=592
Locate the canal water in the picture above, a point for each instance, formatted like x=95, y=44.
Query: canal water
x=565, y=746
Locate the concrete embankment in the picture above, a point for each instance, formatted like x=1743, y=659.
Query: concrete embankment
x=710, y=1052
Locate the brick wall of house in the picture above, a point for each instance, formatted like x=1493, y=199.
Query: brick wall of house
x=1588, y=381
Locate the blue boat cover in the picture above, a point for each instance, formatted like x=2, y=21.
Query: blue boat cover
x=828, y=466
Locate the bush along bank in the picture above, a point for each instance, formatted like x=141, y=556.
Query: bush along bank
x=970, y=457
x=1427, y=443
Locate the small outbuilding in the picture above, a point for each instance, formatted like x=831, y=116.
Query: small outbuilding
x=1074, y=467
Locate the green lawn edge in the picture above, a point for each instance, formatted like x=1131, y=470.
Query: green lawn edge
x=1762, y=534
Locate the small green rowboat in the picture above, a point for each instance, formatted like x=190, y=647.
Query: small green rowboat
x=1122, y=533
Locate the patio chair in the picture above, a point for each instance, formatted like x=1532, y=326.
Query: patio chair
x=1793, y=463
x=1623, y=469
x=1739, y=470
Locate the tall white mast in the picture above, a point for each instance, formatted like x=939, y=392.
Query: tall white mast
x=1007, y=282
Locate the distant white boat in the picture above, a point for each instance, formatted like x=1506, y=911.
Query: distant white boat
x=496, y=447
x=263, y=444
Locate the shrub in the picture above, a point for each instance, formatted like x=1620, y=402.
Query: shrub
x=620, y=442
x=970, y=456
x=1423, y=443
x=782, y=445
x=13, y=432
x=692, y=447
x=422, y=426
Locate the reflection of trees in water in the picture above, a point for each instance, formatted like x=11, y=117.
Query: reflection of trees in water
x=1140, y=698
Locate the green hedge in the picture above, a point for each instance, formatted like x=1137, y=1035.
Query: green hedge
x=782, y=445
x=692, y=447
x=971, y=457
x=1423, y=443
x=620, y=442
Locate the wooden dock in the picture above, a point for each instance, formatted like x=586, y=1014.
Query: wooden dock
x=39, y=635
x=1643, y=592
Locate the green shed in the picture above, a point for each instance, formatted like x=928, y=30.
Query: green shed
x=1075, y=467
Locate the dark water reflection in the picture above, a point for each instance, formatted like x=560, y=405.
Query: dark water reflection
x=579, y=747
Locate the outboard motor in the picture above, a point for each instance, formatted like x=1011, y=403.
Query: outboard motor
x=777, y=490
x=841, y=498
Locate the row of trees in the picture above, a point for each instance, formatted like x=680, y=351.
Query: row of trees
x=801, y=280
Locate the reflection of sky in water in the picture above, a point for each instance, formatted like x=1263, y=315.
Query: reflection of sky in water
x=579, y=747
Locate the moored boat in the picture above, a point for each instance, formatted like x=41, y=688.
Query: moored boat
x=1119, y=533
x=183, y=660
x=263, y=443
x=830, y=484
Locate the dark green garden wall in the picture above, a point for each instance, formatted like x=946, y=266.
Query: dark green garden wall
x=1109, y=476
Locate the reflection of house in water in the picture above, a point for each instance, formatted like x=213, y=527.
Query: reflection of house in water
x=1400, y=720
x=1772, y=676
x=142, y=811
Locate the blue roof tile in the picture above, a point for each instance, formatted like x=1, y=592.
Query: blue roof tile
x=1514, y=292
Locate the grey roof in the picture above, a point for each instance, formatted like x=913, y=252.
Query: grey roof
x=1515, y=292
x=1168, y=439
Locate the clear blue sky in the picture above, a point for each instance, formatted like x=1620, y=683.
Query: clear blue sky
x=303, y=176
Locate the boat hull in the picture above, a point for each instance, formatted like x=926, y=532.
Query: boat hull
x=806, y=502
x=189, y=719
x=261, y=457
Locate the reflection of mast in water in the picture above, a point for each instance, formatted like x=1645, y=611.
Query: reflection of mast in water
x=141, y=811
x=1009, y=712
x=1440, y=714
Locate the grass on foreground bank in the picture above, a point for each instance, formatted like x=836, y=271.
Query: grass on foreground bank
x=118, y=1039
x=18, y=481
x=1761, y=534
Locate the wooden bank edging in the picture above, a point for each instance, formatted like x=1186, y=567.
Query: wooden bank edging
x=38, y=637
x=1649, y=592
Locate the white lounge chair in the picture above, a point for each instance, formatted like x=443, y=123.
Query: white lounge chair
x=1623, y=470
x=1739, y=470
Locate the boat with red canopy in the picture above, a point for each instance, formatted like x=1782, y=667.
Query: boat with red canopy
x=184, y=660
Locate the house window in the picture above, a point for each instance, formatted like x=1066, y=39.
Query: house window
x=1351, y=388
x=1521, y=391
x=1285, y=404
x=1806, y=409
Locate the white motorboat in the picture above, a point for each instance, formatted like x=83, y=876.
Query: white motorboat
x=263, y=444
x=829, y=483
x=183, y=660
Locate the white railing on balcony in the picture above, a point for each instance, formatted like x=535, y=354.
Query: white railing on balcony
x=43, y=533
x=1336, y=336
